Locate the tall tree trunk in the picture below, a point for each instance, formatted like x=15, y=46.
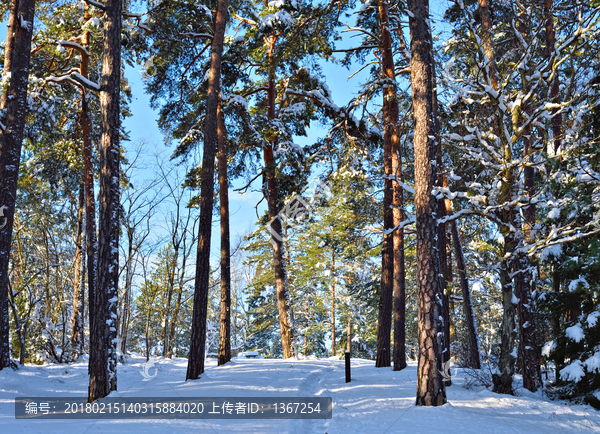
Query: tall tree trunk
x=431, y=390
x=171, y=288
x=474, y=360
x=488, y=43
x=174, y=323
x=441, y=212
x=201, y=284
x=390, y=146
x=286, y=318
x=90, y=203
x=332, y=302
x=127, y=292
x=165, y=331
x=79, y=279
x=550, y=43
x=506, y=364
x=525, y=277
x=103, y=337
x=11, y=28
x=11, y=140
x=225, y=319
x=399, y=268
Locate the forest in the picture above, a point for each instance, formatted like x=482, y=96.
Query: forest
x=421, y=180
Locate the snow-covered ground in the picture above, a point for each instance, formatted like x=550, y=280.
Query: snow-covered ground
x=376, y=401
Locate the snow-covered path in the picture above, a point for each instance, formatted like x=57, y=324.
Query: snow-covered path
x=376, y=401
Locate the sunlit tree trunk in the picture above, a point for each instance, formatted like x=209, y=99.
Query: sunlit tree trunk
x=103, y=336
x=225, y=318
x=286, y=318
x=431, y=390
x=11, y=140
x=201, y=284
x=390, y=146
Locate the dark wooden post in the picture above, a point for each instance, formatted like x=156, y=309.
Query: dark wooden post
x=348, y=379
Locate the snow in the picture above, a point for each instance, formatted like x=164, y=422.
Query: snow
x=377, y=400
x=574, y=283
x=548, y=348
x=575, y=332
x=281, y=17
x=554, y=213
x=551, y=251
x=592, y=318
x=573, y=372
x=593, y=363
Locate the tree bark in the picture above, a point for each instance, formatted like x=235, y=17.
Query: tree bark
x=90, y=203
x=11, y=28
x=390, y=145
x=286, y=318
x=431, y=390
x=11, y=140
x=474, y=360
x=207, y=189
x=506, y=362
x=103, y=337
x=79, y=279
x=225, y=319
x=550, y=43
x=525, y=276
x=488, y=43
x=442, y=242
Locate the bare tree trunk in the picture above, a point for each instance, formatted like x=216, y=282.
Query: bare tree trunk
x=11, y=140
x=103, y=337
x=474, y=360
x=431, y=390
x=525, y=277
x=286, y=318
x=225, y=319
x=506, y=364
x=79, y=279
x=90, y=205
x=390, y=146
x=201, y=284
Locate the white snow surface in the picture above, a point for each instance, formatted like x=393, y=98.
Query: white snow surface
x=377, y=400
x=575, y=332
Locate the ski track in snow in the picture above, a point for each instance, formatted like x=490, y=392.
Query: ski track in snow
x=377, y=400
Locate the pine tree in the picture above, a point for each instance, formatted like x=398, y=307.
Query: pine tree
x=103, y=336
x=11, y=138
x=430, y=388
x=197, y=348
